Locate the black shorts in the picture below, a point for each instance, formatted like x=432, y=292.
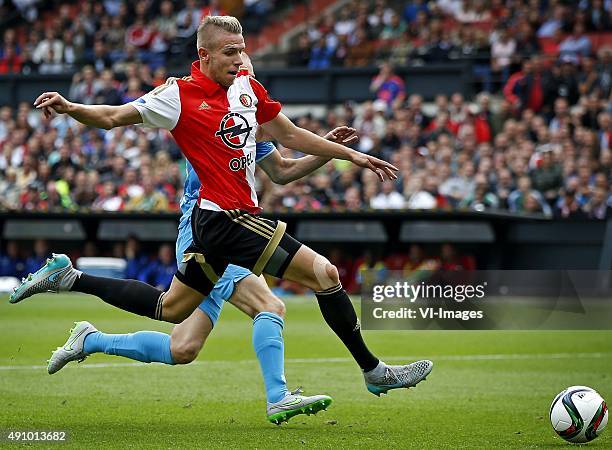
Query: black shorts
x=237, y=237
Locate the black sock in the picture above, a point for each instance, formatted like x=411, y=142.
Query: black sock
x=340, y=315
x=130, y=295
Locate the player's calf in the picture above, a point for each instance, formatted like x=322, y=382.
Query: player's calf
x=188, y=337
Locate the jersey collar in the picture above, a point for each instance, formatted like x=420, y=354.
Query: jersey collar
x=206, y=83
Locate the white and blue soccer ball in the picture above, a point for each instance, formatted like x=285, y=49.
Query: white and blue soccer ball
x=579, y=414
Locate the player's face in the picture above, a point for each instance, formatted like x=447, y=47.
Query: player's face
x=226, y=59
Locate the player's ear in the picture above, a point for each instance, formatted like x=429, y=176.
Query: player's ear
x=203, y=54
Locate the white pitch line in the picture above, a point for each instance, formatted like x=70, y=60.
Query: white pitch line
x=490, y=357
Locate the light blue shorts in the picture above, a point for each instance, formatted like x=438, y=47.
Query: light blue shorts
x=224, y=288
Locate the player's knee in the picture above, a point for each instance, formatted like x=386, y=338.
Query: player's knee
x=185, y=352
x=273, y=304
x=325, y=274
x=332, y=273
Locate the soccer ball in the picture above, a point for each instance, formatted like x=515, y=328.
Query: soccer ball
x=578, y=414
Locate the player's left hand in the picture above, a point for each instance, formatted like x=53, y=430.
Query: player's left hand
x=343, y=135
x=381, y=168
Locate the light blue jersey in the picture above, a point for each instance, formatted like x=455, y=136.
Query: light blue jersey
x=224, y=288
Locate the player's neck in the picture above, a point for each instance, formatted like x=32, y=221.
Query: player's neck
x=206, y=72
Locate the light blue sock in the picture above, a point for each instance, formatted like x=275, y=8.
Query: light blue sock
x=270, y=350
x=145, y=346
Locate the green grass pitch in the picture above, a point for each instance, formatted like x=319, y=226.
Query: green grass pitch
x=487, y=389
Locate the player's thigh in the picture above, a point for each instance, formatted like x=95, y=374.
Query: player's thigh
x=189, y=336
x=253, y=296
x=180, y=300
x=312, y=270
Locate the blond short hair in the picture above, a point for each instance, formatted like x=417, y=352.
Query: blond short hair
x=228, y=24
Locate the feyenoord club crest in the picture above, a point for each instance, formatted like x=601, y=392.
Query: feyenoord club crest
x=246, y=100
x=234, y=130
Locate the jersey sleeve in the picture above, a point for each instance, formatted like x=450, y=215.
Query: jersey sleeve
x=267, y=109
x=263, y=150
x=160, y=108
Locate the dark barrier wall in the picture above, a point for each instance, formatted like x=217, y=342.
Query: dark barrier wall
x=326, y=87
x=499, y=241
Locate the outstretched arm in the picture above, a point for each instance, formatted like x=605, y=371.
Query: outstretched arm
x=291, y=136
x=99, y=116
x=285, y=170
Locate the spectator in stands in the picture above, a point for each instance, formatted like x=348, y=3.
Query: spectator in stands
x=107, y=199
x=412, y=9
x=525, y=89
x=50, y=49
x=321, y=54
x=188, y=19
x=554, y=23
x=388, y=198
x=370, y=269
x=472, y=11
x=11, y=264
x=300, y=56
x=459, y=187
x=482, y=198
x=166, y=22
x=577, y=44
x=213, y=9
x=394, y=29
x=345, y=25
x=100, y=58
x=568, y=206
x=427, y=196
x=589, y=80
x=524, y=199
x=159, y=273
x=84, y=192
x=450, y=259
x=388, y=86
x=503, y=50
x=85, y=86
x=136, y=260
x=108, y=93
x=563, y=83
x=150, y=200
x=10, y=61
x=547, y=178
x=599, y=206
x=36, y=260
x=352, y=199
x=360, y=51
x=598, y=16
x=9, y=190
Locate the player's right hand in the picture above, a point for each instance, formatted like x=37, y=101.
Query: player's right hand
x=378, y=166
x=48, y=101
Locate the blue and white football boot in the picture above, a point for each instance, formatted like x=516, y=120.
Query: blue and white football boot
x=57, y=275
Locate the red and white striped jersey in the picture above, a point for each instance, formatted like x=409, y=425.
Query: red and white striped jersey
x=215, y=129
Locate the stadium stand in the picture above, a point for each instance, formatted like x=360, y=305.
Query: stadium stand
x=537, y=138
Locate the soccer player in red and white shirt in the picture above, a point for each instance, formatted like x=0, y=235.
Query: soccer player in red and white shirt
x=214, y=116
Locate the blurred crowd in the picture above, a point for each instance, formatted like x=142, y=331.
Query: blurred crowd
x=541, y=145
x=493, y=34
x=415, y=262
x=18, y=258
x=59, y=37
x=545, y=147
